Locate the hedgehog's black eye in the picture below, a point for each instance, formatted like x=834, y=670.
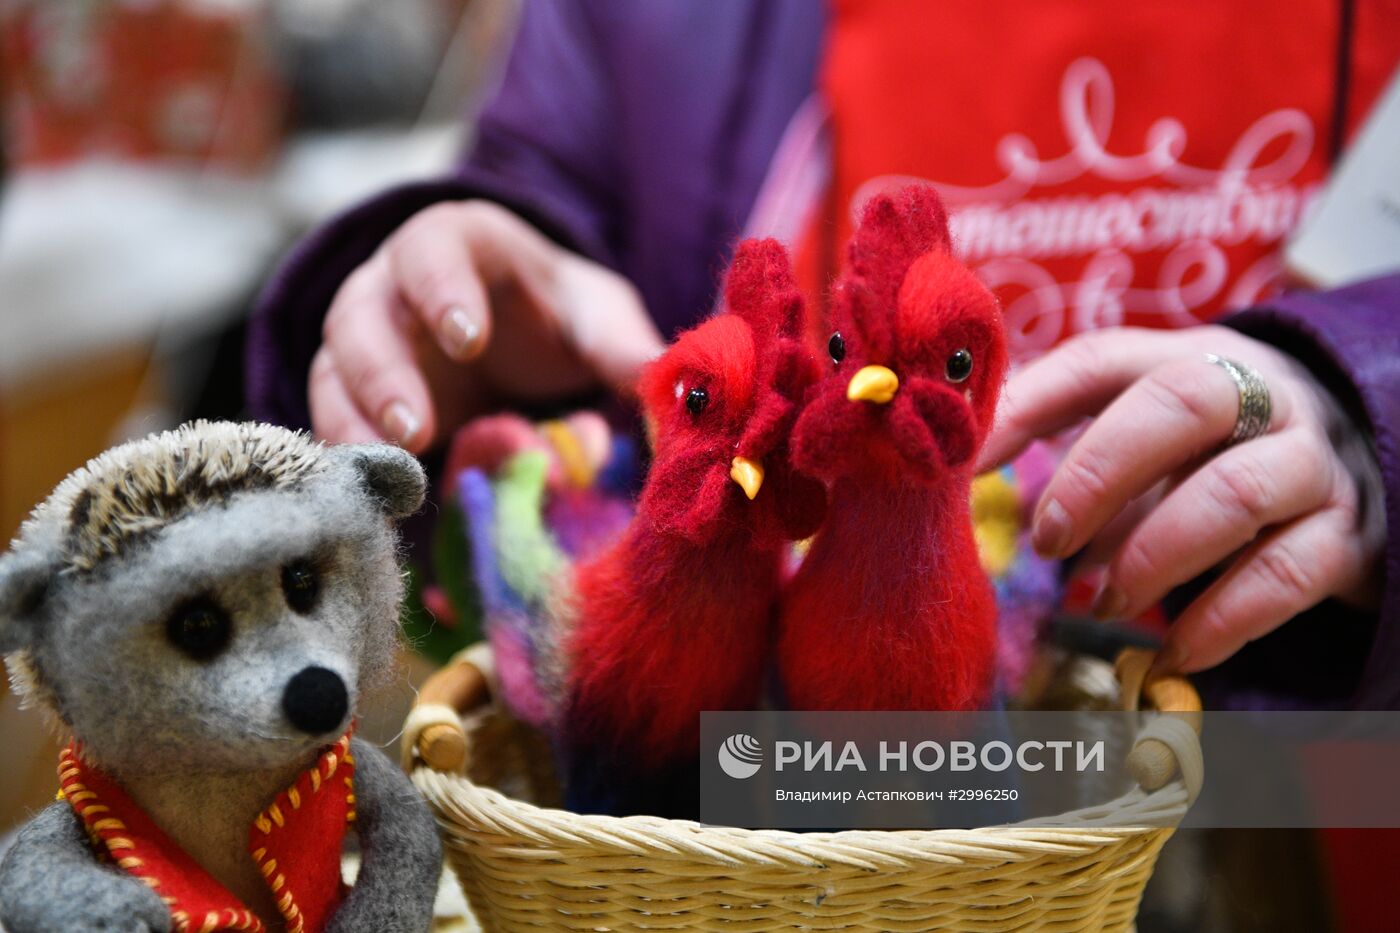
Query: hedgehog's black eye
x=200, y=628
x=959, y=366
x=697, y=400
x=301, y=585
x=836, y=346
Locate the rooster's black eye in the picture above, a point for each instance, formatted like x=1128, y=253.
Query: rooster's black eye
x=199, y=628
x=697, y=400
x=836, y=346
x=959, y=366
x=300, y=586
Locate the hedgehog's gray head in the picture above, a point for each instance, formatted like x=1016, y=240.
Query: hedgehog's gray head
x=211, y=598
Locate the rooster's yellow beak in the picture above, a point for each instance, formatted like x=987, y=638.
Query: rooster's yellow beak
x=748, y=474
x=876, y=384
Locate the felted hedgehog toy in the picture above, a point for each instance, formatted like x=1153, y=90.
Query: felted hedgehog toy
x=199, y=611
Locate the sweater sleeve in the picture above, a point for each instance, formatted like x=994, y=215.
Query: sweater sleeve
x=541, y=148
x=1350, y=338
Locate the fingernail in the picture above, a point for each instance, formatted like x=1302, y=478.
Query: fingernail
x=461, y=331
x=399, y=423
x=1052, y=532
x=1110, y=603
x=1170, y=660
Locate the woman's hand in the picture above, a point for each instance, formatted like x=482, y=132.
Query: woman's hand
x=1295, y=516
x=464, y=303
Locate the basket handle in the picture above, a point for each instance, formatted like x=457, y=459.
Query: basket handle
x=433, y=732
x=1170, y=743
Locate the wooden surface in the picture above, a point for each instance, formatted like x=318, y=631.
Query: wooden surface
x=49, y=426
x=53, y=424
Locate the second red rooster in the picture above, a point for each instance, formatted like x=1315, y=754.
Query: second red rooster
x=891, y=608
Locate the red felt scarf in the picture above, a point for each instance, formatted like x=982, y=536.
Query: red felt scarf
x=296, y=843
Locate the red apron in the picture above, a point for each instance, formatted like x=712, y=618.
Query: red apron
x=1104, y=163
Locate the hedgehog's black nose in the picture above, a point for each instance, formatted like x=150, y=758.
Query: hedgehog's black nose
x=315, y=700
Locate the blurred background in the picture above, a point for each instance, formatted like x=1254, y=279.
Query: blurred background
x=159, y=157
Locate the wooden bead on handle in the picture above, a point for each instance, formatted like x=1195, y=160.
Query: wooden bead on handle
x=443, y=748
x=459, y=687
x=1151, y=762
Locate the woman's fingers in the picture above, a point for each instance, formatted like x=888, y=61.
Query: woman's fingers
x=1170, y=417
x=470, y=283
x=1294, y=517
x=1071, y=382
x=606, y=322
x=370, y=339
x=1283, y=574
x=449, y=258
x=431, y=262
x=1101, y=548
x=334, y=414
x=1215, y=511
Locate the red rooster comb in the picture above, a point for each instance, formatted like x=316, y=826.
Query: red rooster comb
x=894, y=231
x=761, y=289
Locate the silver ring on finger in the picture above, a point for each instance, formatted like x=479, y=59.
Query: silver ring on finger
x=1256, y=406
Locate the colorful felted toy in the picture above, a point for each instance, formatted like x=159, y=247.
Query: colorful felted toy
x=1028, y=587
x=891, y=608
x=535, y=502
x=199, y=611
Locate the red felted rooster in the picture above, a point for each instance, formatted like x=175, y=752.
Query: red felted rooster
x=676, y=617
x=891, y=608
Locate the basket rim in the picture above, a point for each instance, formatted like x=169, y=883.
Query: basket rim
x=459, y=802
x=464, y=807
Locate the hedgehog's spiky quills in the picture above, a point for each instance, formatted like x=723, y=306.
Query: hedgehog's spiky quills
x=211, y=515
x=137, y=488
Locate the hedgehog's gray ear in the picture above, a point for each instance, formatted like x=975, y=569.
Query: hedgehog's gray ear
x=24, y=582
x=392, y=475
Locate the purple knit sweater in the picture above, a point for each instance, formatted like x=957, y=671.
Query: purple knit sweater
x=638, y=132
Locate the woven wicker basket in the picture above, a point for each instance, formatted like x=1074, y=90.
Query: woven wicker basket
x=525, y=866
